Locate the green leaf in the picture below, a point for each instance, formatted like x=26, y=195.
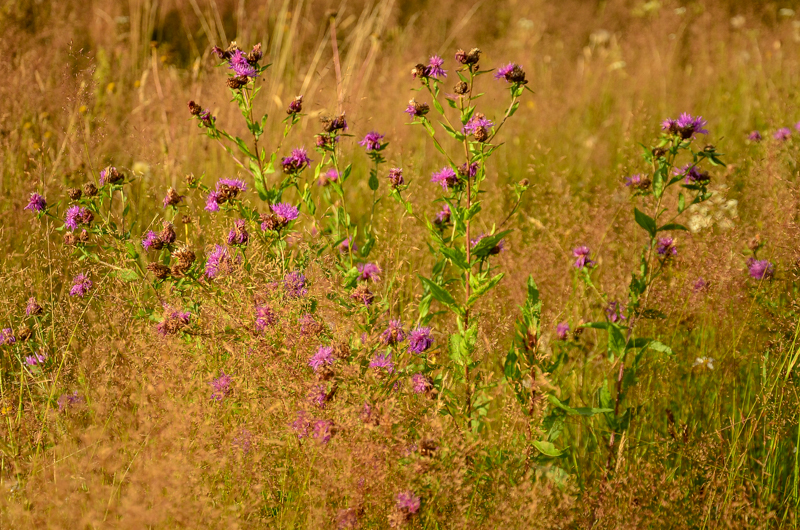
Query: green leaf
x=483, y=288
x=127, y=275
x=456, y=256
x=681, y=203
x=452, y=132
x=645, y=221
x=616, y=341
x=486, y=245
x=673, y=226
x=373, y=180
x=442, y=296
x=546, y=448
x=660, y=347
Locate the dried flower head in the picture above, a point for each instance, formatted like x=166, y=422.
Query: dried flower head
x=33, y=308
x=468, y=58
x=194, y=108
x=512, y=73
x=159, y=271
x=417, y=110
x=638, y=182
x=184, y=258
x=331, y=125
x=172, y=198
x=110, y=175
x=294, y=284
x=265, y=317
x=167, y=234
x=362, y=294
x=152, y=241
x=74, y=193
x=226, y=190
x=173, y=322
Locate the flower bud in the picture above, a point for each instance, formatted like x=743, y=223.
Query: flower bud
x=194, y=108
x=236, y=83
x=74, y=193
x=296, y=106
x=159, y=271
x=89, y=189
x=461, y=88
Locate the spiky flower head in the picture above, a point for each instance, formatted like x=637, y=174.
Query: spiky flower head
x=241, y=66
x=782, y=134
x=417, y=110
x=760, y=269
x=81, y=285
x=396, y=177
x=226, y=190
x=35, y=359
x=218, y=261
x=167, y=234
x=332, y=175
x=407, y=502
x=265, y=317
x=562, y=330
x=582, y=255
x=512, y=73
x=420, y=383
x=330, y=125
x=419, y=340
x=445, y=177
x=443, y=217
x=476, y=122
x=692, y=174
x=77, y=215
x=238, y=234
x=754, y=136
x=362, y=294
x=369, y=271
x=686, y=126
x=294, y=284
x=666, y=247
x=468, y=58
x=348, y=245
x=36, y=203
x=323, y=357
x=296, y=162
x=372, y=141
x=33, y=308
x=221, y=386
x=394, y=333
x=296, y=106
x=638, y=182
x=435, y=64
x=173, y=322
x=382, y=361
x=172, y=198
x=468, y=172
x=110, y=175
x=152, y=241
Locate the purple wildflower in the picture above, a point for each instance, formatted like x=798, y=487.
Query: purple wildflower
x=366, y=412
x=692, y=174
x=407, y=502
x=666, y=247
x=419, y=340
x=700, y=285
x=420, y=383
x=173, y=322
x=66, y=401
x=443, y=217
x=694, y=124
x=296, y=162
x=396, y=177
x=362, y=294
x=782, y=134
x=318, y=396
x=582, y=253
x=562, y=330
x=497, y=249
x=323, y=430
x=476, y=122
x=221, y=386
x=369, y=271
x=240, y=65
x=35, y=359
x=512, y=73
x=382, y=360
x=394, y=333
x=635, y=181
x=348, y=245
x=151, y=240
x=323, y=357
x=81, y=285
x=285, y=211
x=33, y=307
x=207, y=119
x=760, y=269
x=754, y=136
x=226, y=190
x=301, y=425
x=417, y=110
x=265, y=316
x=7, y=336
x=238, y=234
x=218, y=259
x=435, y=67
x=294, y=283
x=446, y=177
x=463, y=172
x=296, y=106
x=329, y=176
x=614, y=312
x=36, y=203
x=77, y=215
x=372, y=141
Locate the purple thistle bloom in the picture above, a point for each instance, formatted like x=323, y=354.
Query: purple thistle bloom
x=294, y=283
x=692, y=173
x=244, y=441
x=420, y=383
x=782, y=134
x=81, y=285
x=323, y=357
x=173, y=322
x=296, y=162
x=700, y=285
x=695, y=124
x=322, y=430
x=151, y=240
x=318, y=396
x=417, y=110
x=419, y=340
x=396, y=177
x=582, y=253
x=226, y=190
x=33, y=307
x=36, y=203
x=265, y=316
x=473, y=170
x=666, y=247
x=68, y=400
x=668, y=124
x=240, y=65
x=7, y=336
x=754, y=136
x=503, y=71
x=172, y=198
x=348, y=245
x=446, y=177
x=407, y=502
x=443, y=217
x=477, y=121
x=212, y=202
x=218, y=260
x=238, y=234
x=562, y=330
x=382, y=360
x=372, y=141
x=221, y=386
x=614, y=312
x=301, y=425
x=634, y=180
x=394, y=333
x=760, y=269
x=77, y=215
x=329, y=176
x=285, y=211
x=435, y=67
x=35, y=359
x=369, y=271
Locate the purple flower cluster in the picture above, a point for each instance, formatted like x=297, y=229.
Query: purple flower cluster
x=81, y=285
x=294, y=284
x=221, y=386
x=296, y=162
x=614, y=312
x=33, y=307
x=420, y=383
x=323, y=357
x=407, y=502
x=35, y=359
x=446, y=177
x=226, y=190
x=476, y=122
x=511, y=73
x=65, y=401
x=173, y=322
x=241, y=66
x=218, y=261
x=77, y=215
x=443, y=216
x=782, y=134
x=562, y=330
x=692, y=175
x=382, y=360
x=754, y=136
x=348, y=245
x=394, y=333
x=396, y=178
x=369, y=271
x=36, y=203
x=151, y=240
x=372, y=141
x=582, y=255
x=665, y=246
x=332, y=175
x=419, y=340
x=7, y=336
x=238, y=234
x=417, y=110
x=686, y=126
x=265, y=317
x=760, y=269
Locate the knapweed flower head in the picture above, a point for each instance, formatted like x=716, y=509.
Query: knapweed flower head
x=782, y=134
x=443, y=216
x=221, y=386
x=362, y=294
x=167, y=234
x=218, y=261
x=754, y=136
x=382, y=361
x=692, y=174
x=294, y=284
x=445, y=177
x=7, y=336
x=172, y=198
x=562, y=330
x=417, y=110
x=318, y=396
x=435, y=64
x=331, y=125
x=81, y=285
x=638, y=181
x=348, y=245
x=396, y=177
x=238, y=234
x=33, y=308
x=110, y=175
x=226, y=190
x=265, y=317
x=419, y=340
x=582, y=255
x=407, y=502
x=468, y=172
x=35, y=359
x=665, y=246
x=614, y=312
x=296, y=162
x=479, y=126
x=241, y=66
x=296, y=106
x=77, y=215
x=244, y=441
x=686, y=126
x=36, y=203
x=173, y=322
x=372, y=141
x=512, y=73
x=322, y=430
x=760, y=269
x=66, y=401
x=420, y=383
x=394, y=333
x=282, y=214
x=468, y=58
x=152, y=241
x=369, y=271
x=323, y=357
x=332, y=175
x=301, y=424
x=700, y=285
